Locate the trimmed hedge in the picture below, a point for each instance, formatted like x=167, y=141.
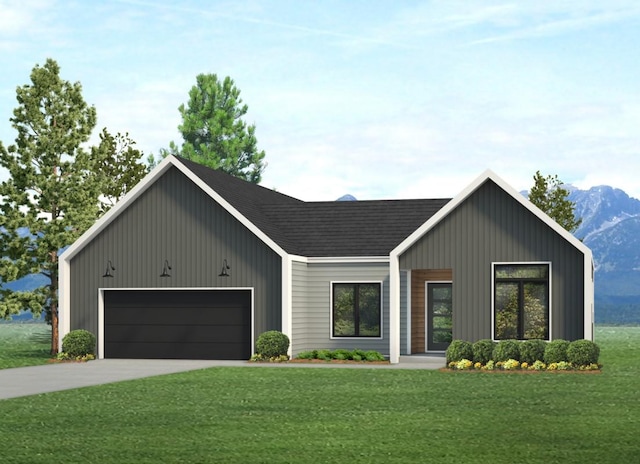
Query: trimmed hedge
x=79, y=343
x=556, y=351
x=505, y=350
x=532, y=351
x=583, y=353
x=272, y=344
x=459, y=350
x=483, y=350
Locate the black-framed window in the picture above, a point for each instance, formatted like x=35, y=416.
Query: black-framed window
x=521, y=301
x=356, y=310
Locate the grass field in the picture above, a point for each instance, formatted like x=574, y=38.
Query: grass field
x=24, y=344
x=297, y=415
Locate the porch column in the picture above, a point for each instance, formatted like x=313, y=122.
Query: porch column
x=394, y=309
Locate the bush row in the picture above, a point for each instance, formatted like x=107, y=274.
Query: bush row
x=576, y=353
x=342, y=354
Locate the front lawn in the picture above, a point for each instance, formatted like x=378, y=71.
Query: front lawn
x=299, y=415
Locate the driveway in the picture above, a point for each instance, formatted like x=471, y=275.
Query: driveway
x=34, y=380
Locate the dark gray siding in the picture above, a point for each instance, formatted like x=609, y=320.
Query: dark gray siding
x=491, y=226
x=175, y=220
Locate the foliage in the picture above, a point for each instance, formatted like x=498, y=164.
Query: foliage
x=274, y=359
x=121, y=166
x=538, y=366
x=313, y=354
x=342, y=355
x=550, y=196
x=505, y=350
x=63, y=356
x=51, y=196
x=556, y=351
x=272, y=344
x=214, y=132
x=483, y=350
x=583, y=353
x=458, y=350
x=463, y=364
x=532, y=351
x=510, y=364
x=373, y=355
x=79, y=343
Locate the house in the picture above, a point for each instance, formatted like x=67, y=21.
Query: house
x=194, y=263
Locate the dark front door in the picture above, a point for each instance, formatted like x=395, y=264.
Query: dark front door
x=439, y=311
x=177, y=324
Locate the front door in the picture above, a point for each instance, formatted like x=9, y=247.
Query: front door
x=439, y=310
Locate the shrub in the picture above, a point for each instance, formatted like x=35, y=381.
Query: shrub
x=510, y=364
x=505, y=350
x=532, y=351
x=464, y=364
x=79, y=343
x=583, y=353
x=307, y=354
x=358, y=355
x=556, y=351
x=325, y=355
x=372, y=355
x=483, y=350
x=341, y=354
x=459, y=350
x=272, y=344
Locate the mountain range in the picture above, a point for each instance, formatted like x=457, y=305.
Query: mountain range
x=610, y=227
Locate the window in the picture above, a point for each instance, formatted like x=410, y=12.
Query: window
x=356, y=310
x=521, y=301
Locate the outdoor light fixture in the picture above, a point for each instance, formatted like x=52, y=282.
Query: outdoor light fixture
x=225, y=268
x=165, y=269
x=107, y=272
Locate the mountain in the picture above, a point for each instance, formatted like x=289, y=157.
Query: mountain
x=611, y=228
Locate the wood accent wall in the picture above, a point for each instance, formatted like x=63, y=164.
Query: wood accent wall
x=418, y=278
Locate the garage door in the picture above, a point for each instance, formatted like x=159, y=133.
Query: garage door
x=177, y=324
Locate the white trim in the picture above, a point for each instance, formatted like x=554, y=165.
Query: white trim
x=394, y=309
x=287, y=300
x=408, y=314
x=379, y=282
x=493, y=292
x=426, y=312
x=343, y=259
x=101, y=290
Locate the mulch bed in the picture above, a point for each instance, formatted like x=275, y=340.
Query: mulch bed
x=518, y=371
x=335, y=361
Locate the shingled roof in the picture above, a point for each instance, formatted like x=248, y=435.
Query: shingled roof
x=321, y=229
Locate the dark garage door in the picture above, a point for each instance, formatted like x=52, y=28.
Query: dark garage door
x=177, y=324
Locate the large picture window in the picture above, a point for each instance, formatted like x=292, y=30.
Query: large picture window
x=356, y=310
x=521, y=301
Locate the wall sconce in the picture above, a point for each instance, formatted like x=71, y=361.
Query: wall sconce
x=107, y=272
x=225, y=268
x=165, y=269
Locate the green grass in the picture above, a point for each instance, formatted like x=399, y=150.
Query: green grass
x=298, y=415
x=24, y=344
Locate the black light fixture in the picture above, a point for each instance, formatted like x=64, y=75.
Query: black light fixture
x=225, y=268
x=165, y=269
x=107, y=272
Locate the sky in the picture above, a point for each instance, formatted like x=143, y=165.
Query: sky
x=378, y=99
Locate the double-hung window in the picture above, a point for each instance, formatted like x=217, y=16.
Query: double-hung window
x=521, y=301
x=356, y=309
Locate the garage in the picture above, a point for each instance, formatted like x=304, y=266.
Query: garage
x=177, y=324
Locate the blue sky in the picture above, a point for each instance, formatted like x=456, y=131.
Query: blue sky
x=402, y=99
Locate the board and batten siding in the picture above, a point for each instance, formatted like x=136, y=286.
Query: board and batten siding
x=490, y=226
x=312, y=305
x=175, y=220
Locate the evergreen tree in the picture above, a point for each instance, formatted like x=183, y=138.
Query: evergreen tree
x=51, y=196
x=550, y=196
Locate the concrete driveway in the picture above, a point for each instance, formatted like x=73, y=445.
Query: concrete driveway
x=34, y=380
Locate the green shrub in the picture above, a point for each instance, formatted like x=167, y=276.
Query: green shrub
x=307, y=354
x=372, y=355
x=325, y=355
x=532, y=351
x=341, y=354
x=483, y=350
x=505, y=350
x=583, y=353
x=272, y=344
x=358, y=355
x=78, y=343
x=459, y=350
x=556, y=351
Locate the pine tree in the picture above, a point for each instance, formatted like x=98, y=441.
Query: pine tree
x=550, y=196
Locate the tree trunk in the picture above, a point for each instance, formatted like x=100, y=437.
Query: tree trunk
x=54, y=328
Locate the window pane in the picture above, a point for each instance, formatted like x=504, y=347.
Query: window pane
x=522, y=271
x=369, y=310
x=506, y=310
x=441, y=293
x=442, y=336
x=343, y=310
x=536, y=309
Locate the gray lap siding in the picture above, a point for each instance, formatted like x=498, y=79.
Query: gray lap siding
x=174, y=220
